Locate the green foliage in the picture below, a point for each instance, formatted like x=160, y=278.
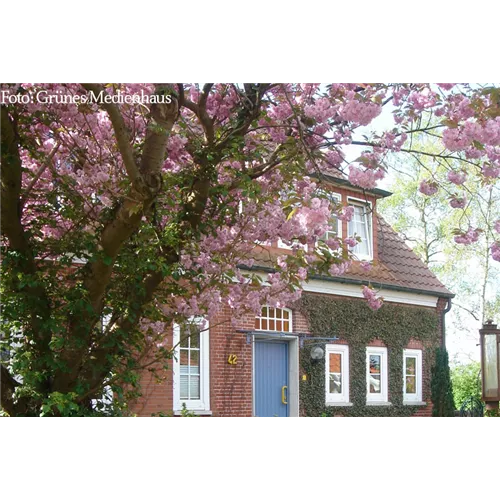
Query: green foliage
x=466, y=382
x=353, y=321
x=183, y=413
x=441, y=390
x=492, y=413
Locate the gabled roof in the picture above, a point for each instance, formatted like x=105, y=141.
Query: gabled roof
x=398, y=266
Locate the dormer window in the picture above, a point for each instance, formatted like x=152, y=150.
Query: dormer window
x=361, y=226
x=335, y=226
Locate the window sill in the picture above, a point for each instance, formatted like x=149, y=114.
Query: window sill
x=200, y=413
x=338, y=404
x=378, y=403
x=368, y=258
x=414, y=403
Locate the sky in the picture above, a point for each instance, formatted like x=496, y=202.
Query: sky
x=462, y=334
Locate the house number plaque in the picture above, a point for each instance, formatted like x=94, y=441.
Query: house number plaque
x=233, y=359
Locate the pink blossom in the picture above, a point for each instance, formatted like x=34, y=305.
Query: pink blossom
x=428, y=187
x=471, y=236
x=365, y=265
x=102, y=176
x=457, y=177
x=365, y=178
x=458, y=202
x=339, y=269
x=347, y=213
x=302, y=273
x=455, y=139
x=315, y=203
x=332, y=244
x=374, y=302
x=491, y=171
x=351, y=242
x=446, y=86
x=497, y=226
x=358, y=112
x=105, y=201
x=495, y=251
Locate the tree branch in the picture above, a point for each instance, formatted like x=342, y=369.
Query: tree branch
x=39, y=172
x=124, y=224
x=121, y=133
x=12, y=228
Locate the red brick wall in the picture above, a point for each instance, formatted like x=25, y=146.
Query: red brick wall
x=156, y=396
x=231, y=384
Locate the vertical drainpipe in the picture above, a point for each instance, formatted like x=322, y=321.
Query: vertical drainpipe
x=443, y=327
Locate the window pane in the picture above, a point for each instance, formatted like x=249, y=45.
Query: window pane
x=335, y=362
x=183, y=357
x=194, y=387
x=411, y=364
x=184, y=340
x=411, y=386
x=195, y=362
x=264, y=324
x=195, y=340
x=184, y=386
x=358, y=226
x=375, y=385
x=257, y=323
x=335, y=383
x=333, y=229
x=272, y=325
x=375, y=363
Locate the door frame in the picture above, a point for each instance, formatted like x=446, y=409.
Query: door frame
x=293, y=369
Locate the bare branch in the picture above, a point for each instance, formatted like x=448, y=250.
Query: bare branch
x=468, y=310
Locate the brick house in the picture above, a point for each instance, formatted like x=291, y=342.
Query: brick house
x=326, y=355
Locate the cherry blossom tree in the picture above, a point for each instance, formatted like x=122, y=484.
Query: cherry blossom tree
x=120, y=216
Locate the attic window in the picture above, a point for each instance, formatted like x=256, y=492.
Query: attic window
x=361, y=225
x=335, y=226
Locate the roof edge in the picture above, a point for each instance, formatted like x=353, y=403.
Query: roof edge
x=354, y=281
x=382, y=193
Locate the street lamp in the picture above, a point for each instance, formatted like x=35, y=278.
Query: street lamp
x=490, y=364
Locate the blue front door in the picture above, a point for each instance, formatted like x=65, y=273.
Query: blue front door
x=271, y=379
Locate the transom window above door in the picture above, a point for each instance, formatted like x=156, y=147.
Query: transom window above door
x=274, y=319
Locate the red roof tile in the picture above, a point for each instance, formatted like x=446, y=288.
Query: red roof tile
x=397, y=266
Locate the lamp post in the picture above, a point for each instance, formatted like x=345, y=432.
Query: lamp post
x=490, y=365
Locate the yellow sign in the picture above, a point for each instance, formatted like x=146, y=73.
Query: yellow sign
x=233, y=359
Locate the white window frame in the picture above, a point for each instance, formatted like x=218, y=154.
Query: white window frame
x=202, y=404
x=273, y=318
x=343, y=397
x=417, y=397
x=383, y=396
x=338, y=200
x=369, y=226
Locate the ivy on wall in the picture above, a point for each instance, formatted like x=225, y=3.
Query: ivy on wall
x=354, y=322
